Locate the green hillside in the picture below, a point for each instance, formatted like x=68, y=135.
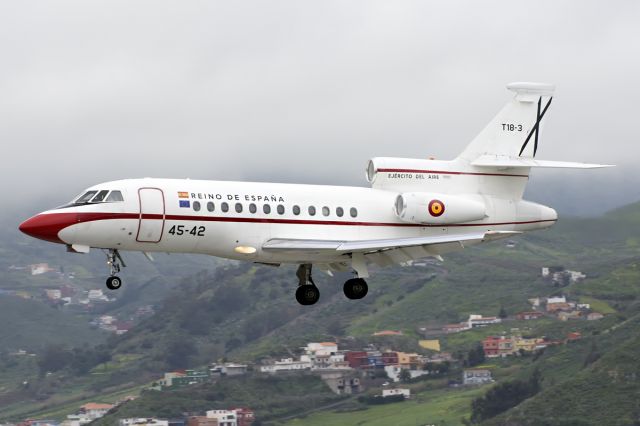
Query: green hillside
x=245, y=312
x=35, y=325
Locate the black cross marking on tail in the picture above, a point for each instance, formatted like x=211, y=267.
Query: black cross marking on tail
x=536, y=126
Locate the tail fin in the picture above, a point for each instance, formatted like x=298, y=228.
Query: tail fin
x=514, y=132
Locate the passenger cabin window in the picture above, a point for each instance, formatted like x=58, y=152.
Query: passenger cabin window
x=339, y=211
x=353, y=212
x=296, y=210
x=100, y=196
x=325, y=211
x=210, y=206
x=253, y=208
x=196, y=206
x=238, y=208
x=280, y=209
x=114, y=197
x=312, y=211
x=266, y=209
x=224, y=207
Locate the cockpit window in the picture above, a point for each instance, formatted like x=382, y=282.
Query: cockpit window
x=100, y=197
x=115, y=196
x=85, y=198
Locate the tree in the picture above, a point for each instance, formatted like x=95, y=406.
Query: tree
x=503, y=313
x=53, y=358
x=404, y=375
x=179, y=352
x=504, y=396
x=475, y=356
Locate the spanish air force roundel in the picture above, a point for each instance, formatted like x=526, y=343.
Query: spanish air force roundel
x=436, y=208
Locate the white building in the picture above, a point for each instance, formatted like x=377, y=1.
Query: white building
x=392, y=392
x=53, y=294
x=393, y=372
x=321, y=349
x=40, y=268
x=476, y=376
x=224, y=417
x=480, y=321
x=286, y=364
x=143, y=422
x=96, y=295
x=576, y=276
x=95, y=410
x=560, y=299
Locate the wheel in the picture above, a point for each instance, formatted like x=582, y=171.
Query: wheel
x=307, y=294
x=355, y=288
x=114, y=283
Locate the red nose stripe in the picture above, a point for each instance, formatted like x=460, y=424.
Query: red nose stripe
x=47, y=226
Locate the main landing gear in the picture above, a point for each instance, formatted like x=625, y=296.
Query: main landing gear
x=307, y=292
x=114, y=260
x=355, y=288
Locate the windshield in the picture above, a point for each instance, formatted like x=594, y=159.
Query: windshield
x=96, y=196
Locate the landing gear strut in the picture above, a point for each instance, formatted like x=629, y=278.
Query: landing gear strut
x=114, y=260
x=355, y=288
x=307, y=292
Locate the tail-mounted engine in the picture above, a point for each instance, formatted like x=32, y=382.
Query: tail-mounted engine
x=437, y=209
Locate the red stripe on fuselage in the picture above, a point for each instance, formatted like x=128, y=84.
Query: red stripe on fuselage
x=442, y=172
x=90, y=217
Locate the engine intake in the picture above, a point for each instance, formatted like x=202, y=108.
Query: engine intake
x=437, y=209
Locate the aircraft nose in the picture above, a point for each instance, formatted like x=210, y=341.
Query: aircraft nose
x=47, y=226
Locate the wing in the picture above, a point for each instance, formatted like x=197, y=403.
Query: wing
x=386, y=251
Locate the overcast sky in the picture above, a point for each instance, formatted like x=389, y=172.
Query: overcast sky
x=305, y=91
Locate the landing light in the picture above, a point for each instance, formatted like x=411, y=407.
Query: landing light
x=245, y=250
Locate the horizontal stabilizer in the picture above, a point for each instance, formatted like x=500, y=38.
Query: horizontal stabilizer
x=511, y=162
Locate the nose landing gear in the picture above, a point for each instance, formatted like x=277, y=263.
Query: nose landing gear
x=307, y=292
x=114, y=260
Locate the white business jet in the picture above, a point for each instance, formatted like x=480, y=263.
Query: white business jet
x=415, y=208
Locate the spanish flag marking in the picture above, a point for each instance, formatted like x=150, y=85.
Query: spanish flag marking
x=183, y=195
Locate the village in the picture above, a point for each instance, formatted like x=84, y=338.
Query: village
x=378, y=368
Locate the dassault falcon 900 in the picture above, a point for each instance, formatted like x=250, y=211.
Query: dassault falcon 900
x=415, y=208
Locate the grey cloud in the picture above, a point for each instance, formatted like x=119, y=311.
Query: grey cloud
x=299, y=91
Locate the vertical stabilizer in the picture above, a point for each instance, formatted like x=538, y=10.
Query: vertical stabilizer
x=514, y=132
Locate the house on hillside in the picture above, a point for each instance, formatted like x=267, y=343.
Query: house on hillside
x=480, y=321
x=201, y=421
x=143, y=422
x=398, y=391
x=40, y=268
x=495, y=346
x=565, y=316
x=342, y=383
x=94, y=410
x=393, y=372
x=529, y=315
x=184, y=378
x=455, y=328
x=286, y=364
x=594, y=316
x=224, y=417
x=476, y=376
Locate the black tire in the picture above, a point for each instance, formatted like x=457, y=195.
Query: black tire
x=355, y=288
x=307, y=294
x=114, y=283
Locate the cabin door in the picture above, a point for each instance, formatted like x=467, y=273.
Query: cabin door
x=152, y=214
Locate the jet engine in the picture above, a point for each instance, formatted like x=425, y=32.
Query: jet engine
x=437, y=209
